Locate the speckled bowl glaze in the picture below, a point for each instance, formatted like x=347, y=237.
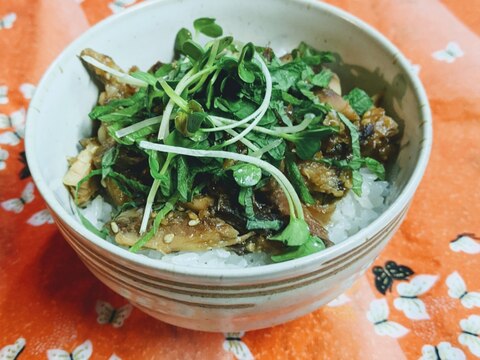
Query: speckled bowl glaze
x=227, y=299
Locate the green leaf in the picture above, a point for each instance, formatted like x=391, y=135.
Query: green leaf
x=376, y=167
x=262, y=183
x=289, y=99
x=307, y=74
x=278, y=107
x=227, y=63
x=108, y=160
x=245, y=69
x=194, y=121
x=268, y=119
x=195, y=106
x=164, y=177
x=181, y=122
x=245, y=73
x=322, y=79
x=310, y=107
x=182, y=36
x=222, y=104
x=295, y=234
x=126, y=190
x=298, y=181
x=115, y=104
x=307, y=149
x=256, y=224
x=102, y=110
x=262, y=140
x=193, y=50
x=83, y=180
x=353, y=134
x=312, y=246
x=245, y=198
x=166, y=183
x=357, y=182
x=115, y=127
x=359, y=101
x=154, y=160
x=213, y=31
x=180, y=69
x=287, y=75
x=243, y=109
x=163, y=70
x=147, y=77
x=188, y=123
x=247, y=53
x=306, y=89
x=224, y=42
x=311, y=56
x=246, y=175
x=240, y=108
x=182, y=178
x=177, y=139
x=308, y=142
x=355, y=164
x=278, y=152
x=199, y=23
x=122, y=115
x=142, y=133
x=160, y=170
x=357, y=158
x=154, y=98
x=207, y=26
x=135, y=186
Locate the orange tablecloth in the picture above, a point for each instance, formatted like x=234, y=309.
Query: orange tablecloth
x=48, y=298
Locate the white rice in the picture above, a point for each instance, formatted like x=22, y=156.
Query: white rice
x=351, y=214
x=98, y=212
x=212, y=259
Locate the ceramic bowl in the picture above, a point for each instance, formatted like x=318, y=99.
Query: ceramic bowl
x=227, y=299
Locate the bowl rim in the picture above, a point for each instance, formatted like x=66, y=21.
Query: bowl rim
x=264, y=271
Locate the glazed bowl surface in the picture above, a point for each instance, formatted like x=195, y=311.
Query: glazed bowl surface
x=227, y=299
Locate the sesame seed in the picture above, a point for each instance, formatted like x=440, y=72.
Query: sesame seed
x=167, y=239
x=193, y=222
x=114, y=227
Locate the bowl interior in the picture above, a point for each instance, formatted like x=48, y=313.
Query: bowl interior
x=58, y=114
